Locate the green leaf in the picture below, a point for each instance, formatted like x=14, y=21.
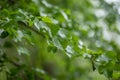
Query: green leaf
x=111, y=55
x=52, y=48
x=57, y=43
x=46, y=19
x=69, y=51
x=64, y=15
x=22, y=50
x=37, y=23
x=54, y=29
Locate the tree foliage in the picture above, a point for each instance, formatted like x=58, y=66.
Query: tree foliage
x=59, y=39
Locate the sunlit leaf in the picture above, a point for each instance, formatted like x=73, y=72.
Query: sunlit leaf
x=46, y=19
x=22, y=50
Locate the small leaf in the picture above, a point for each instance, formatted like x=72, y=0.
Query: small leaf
x=57, y=43
x=52, y=48
x=69, y=51
x=54, y=29
x=111, y=54
x=64, y=15
x=37, y=24
x=22, y=50
x=46, y=19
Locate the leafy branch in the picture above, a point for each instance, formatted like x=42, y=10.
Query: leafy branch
x=22, y=24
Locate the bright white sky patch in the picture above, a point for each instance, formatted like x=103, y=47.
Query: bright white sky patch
x=112, y=1
x=119, y=10
x=100, y=13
